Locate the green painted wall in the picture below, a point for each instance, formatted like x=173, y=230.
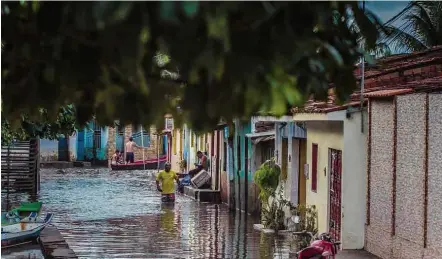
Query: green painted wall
x=242, y=178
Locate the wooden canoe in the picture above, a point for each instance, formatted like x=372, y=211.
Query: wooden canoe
x=149, y=164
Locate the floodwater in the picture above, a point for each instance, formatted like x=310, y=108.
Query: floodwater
x=105, y=214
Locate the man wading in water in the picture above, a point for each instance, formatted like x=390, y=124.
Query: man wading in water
x=167, y=178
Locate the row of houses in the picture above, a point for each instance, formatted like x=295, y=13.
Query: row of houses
x=371, y=166
x=96, y=143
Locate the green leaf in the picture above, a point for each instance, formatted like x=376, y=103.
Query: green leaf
x=190, y=8
x=334, y=53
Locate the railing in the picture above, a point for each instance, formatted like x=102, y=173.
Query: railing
x=20, y=167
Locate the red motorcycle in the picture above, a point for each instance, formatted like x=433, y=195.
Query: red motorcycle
x=322, y=247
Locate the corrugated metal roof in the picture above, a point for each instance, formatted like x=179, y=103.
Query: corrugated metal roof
x=262, y=139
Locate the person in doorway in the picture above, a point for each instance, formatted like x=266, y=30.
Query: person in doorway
x=167, y=177
x=130, y=146
x=201, y=165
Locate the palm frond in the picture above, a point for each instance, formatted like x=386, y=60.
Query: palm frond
x=421, y=28
x=402, y=41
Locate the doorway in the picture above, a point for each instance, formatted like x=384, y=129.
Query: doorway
x=335, y=165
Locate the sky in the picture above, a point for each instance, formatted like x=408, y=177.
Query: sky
x=386, y=9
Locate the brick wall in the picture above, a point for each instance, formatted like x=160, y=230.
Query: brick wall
x=150, y=152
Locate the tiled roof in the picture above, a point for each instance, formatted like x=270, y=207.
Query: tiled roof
x=401, y=74
x=263, y=126
x=388, y=93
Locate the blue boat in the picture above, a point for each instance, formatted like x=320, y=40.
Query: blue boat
x=24, y=231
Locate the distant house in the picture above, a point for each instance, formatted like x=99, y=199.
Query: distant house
x=149, y=138
x=373, y=164
x=92, y=142
x=284, y=140
x=263, y=149
x=335, y=167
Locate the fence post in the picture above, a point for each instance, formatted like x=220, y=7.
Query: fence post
x=8, y=187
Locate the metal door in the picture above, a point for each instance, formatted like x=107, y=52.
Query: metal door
x=63, y=149
x=80, y=145
x=335, y=193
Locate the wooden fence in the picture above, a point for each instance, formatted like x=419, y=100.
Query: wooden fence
x=20, y=167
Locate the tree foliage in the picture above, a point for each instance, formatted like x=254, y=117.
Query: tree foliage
x=422, y=27
x=40, y=126
x=267, y=179
x=227, y=59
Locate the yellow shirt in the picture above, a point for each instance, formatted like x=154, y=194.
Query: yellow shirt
x=167, y=180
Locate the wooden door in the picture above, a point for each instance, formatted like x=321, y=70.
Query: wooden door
x=284, y=154
x=302, y=179
x=335, y=193
x=80, y=145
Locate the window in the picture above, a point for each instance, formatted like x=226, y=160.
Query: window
x=119, y=138
x=238, y=152
x=225, y=157
x=97, y=135
x=141, y=138
x=174, y=140
x=314, y=167
x=212, y=144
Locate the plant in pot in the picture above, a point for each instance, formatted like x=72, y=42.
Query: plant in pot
x=267, y=177
x=183, y=165
x=307, y=220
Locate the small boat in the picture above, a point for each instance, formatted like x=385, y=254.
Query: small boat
x=24, y=231
x=25, y=212
x=148, y=164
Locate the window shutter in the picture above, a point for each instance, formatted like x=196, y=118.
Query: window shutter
x=314, y=167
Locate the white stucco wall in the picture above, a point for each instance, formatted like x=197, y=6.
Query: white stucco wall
x=354, y=176
x=326, y=135
x=293, y=170
x=176, y=156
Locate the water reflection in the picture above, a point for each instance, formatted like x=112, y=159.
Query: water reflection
x=106, y=214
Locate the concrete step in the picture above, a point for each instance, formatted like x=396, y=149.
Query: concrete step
x=203, y=195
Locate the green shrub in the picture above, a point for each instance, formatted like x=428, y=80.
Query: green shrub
x=267, y=179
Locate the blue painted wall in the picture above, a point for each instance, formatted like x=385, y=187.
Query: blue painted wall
x=241, y=177
x=142, y=140
x=101, y=151
x=80, y=145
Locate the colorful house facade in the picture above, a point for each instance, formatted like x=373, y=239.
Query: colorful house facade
x=262, y=138
x=148, y=138
x=92, y=142
x=371, y=167
x=335, y=170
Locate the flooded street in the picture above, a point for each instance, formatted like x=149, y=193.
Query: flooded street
x=106, y=214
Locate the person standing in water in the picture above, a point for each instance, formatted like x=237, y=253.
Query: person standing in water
x=167, y=178
x=130, y=145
